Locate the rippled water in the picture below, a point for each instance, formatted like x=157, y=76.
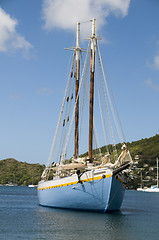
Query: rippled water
x=22, y=218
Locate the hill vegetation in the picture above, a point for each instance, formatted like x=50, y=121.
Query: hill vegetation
x=19, y=173
x=144, y=152
x=147, y=149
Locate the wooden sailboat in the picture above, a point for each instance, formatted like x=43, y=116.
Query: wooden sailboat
x=80, y=182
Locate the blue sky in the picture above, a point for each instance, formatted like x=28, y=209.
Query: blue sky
x=34, y=67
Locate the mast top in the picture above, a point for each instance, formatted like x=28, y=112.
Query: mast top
x=78, y=36
x=93, y=26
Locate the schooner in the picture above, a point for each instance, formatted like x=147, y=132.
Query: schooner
x=85, y=182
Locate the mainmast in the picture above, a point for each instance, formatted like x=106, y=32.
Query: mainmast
x=77, y=76
x=157, y=173
x=91, y=99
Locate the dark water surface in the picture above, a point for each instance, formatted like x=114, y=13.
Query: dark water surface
x=22, y=218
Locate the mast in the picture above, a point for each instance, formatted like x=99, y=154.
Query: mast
x=77, y=76
x=157, y=172
x=141, y=180
x=91, y=98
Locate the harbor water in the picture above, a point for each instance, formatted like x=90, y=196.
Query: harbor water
x=21, y=217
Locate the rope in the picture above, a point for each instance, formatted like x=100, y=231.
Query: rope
x=70, y=127
x=94, y=129
x=85, y=87
x=102, y=119
x=52, y=151
x=121, y=134
x=67, y=114
x=96, y=138
x=106, y=101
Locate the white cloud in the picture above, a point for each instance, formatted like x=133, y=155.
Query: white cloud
x=10, y=39
x=65, y=13
x=156, y=62
x=150, y=83
x=44, y=91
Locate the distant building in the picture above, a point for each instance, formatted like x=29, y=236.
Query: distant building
x=137, y=157
x=151, y=169
x=145, y=165
x=136, y=162
x=148, y=177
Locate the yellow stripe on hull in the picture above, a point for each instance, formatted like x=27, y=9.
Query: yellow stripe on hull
x=73, y=183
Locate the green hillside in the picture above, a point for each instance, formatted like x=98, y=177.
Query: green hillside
x=144, y=153
x=19, y=173
x=147, y=148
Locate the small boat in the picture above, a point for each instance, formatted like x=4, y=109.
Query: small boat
x=32, y=186
x=94, y=181
x=153, y=188
x=141, y=188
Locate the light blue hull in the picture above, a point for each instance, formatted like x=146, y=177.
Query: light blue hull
x=98, y=195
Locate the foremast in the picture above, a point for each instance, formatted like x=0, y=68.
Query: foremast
x=91, y=98
x=77, y=77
